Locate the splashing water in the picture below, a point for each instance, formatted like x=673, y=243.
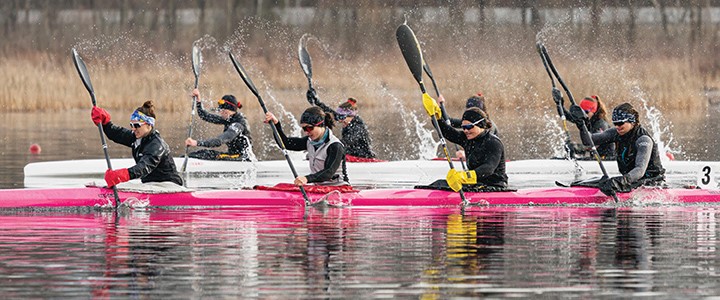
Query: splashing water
x=655, y=118
x=427, y=147
x=556, y=135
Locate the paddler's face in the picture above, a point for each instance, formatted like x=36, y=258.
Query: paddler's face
x=471, y=131
x=226, y=113
x=140, y=129
x=623, y=128
x=313, y=132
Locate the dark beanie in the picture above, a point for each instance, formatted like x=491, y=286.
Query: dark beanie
x=476, y=101
x=231, y=103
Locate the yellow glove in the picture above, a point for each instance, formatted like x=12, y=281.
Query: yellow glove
x=431, y=106
x=456, y=179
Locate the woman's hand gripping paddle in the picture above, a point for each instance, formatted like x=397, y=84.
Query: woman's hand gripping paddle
x=412, y=53
x=276, y=135
x=575, y=107
x=85, y=77
x=196, y=61
x=426, y=67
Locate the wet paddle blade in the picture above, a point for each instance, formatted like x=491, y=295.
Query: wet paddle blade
x=239, y=68
x=196, y=60
x=83, y=72
x=410, y=49
x=304, y=57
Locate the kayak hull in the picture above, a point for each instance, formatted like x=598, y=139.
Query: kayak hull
x=104, y=198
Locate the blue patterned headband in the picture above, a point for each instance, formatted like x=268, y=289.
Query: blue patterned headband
x=139, y=116
x=622, y=116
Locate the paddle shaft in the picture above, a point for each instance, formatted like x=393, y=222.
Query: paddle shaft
x=85, y=77
x=560, y=108
x=276, y=135
x=190, y=128
x=426, y=67
x=583, y=131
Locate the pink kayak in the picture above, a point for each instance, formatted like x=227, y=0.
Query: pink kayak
x=103, y=197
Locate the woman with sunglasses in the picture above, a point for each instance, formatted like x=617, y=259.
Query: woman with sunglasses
x=595, y=110
x=355, y=134
x=153, y=162
x=236, y=134
x=325, y=152
x=484, y=151
x=636, y=152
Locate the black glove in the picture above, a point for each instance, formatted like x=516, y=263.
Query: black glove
x=612, y=185
x=311, y=96
x=557, y=97
x=577, y=115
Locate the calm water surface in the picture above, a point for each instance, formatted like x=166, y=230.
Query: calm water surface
x=531, y=252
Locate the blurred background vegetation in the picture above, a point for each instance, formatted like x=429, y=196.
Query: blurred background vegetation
x=662, y=50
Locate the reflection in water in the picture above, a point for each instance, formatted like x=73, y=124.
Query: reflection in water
x=355, y=252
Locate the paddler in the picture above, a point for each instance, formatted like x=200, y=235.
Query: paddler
x=597, y=122
x=485, y=152
x=325, y=152
x=236, y=133
x=152, y=155
x=636, y=152
x=477, y=100
x=355, y=135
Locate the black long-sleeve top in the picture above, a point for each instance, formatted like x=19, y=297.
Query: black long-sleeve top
x=485, y=154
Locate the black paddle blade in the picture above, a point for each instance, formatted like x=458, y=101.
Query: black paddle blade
x=304, y=58
x=196, y=60
x=239, y=68
x=83, y=72
x=426, y=67
x=410, y=49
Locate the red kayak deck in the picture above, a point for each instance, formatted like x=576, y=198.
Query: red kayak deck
x=103, y=197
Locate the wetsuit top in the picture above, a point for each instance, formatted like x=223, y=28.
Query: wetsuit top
x=636, y=153
x=236, y=134
x=485, y=154
x=153, y=162
x=355, y=135
x=325, y=159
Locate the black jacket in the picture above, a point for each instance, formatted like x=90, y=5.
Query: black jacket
x=485, y=154
x=236, y=134
x=355, y=136
x=153, y=162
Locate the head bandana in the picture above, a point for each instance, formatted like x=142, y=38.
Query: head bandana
x=345, y=112
x=139, y=116
x=622, y=116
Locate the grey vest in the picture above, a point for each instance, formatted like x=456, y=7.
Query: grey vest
x=318, y=156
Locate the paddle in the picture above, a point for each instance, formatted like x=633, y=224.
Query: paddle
x=196, y=60
x=276, y=135
x=583, y=130
x=85, y=77
x=305, y=61
x=557, y=96
x=426, y=67
x=410, y=49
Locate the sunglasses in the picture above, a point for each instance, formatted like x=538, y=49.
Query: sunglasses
x=309, y=128
x=136, y=125
x=621, y=123
x=471, y=125
x=341, y=117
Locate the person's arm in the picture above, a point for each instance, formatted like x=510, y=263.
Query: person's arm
x=455, y=123
x=607, y=136
x=149, y=160
x=335, y=154
x=644, y=146
x=228, y=135
x=291, y=143
x=208, y=117
x=120, y=135
x=452, y=134
x=492, y=156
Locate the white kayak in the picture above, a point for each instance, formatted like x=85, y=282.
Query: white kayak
x=211, y=174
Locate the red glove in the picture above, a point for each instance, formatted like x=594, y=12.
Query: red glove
x=113, y=177
x=99, y=115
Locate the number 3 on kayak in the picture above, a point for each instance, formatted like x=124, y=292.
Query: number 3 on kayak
x=706, y=178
